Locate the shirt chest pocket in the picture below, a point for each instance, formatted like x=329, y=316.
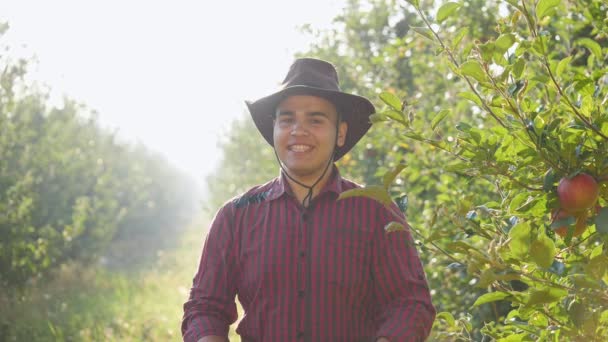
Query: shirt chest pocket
x=348, y=256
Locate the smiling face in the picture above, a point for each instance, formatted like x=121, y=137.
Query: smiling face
x=305, y=134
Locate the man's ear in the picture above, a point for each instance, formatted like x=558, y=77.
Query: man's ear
x=342, y=129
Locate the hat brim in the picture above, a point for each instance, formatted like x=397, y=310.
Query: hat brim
x=353, y=109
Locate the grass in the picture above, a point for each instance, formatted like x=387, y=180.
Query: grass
x=95, y=304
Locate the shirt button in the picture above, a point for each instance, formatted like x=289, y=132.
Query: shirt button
x=301, y=293
x=300, y=334
x=302, y=254
x=304, y=217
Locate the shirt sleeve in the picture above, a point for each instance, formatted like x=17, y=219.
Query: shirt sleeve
x=404, y=310
x=211, y=307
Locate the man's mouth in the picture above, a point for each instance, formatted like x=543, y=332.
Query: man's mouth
x=299, y=148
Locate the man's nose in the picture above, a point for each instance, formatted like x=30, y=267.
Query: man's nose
x=299, y=128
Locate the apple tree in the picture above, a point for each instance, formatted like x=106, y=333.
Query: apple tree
x=537, y=134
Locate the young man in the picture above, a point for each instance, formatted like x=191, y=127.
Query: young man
x=306, y=266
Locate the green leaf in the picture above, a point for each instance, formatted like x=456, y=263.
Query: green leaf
x=604, y=317
x=460, y=247
x=504, y=42
x=518, y=68
x=491, y=297
x=439, y=117
x=601, y=221
x=546, y=296
x=487, y=277
x=597, y=267
x=561, y=66
x=375, y=192
x=446, y=10
x=583, y=280
x=463, y=127
x=538, y=320
x=449, y=319
x=414, y=135
x=471, y=97
x=592, y=45
x=596, y=251
x=542, y=251
x=395, y=115
x=518, y=201
x=390, y=176
x=585, y=87
x=391, y=99
x=514, y=338
x=377, y=118
x=458, y=37
x=394, y=227
x=473, y=69
x=539, y=45
x=425, y=32
x=543, y=7
x=549, y=180
x=476, y=134
x=527, y=204
x=487, y=50
x=499, y=59
x=520, y=240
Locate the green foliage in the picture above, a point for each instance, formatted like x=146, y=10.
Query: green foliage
x=95, y=304
x=535, y=91
x=68, y=188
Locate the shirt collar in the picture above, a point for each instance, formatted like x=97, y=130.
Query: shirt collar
x=281, y=186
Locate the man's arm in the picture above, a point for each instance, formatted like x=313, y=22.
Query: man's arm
x=211, y=308
x=404, y=309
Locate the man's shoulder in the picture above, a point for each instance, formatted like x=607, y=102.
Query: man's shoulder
x=347, y=184
x=255, y=194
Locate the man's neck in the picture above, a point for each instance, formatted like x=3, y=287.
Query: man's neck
x=301, y=192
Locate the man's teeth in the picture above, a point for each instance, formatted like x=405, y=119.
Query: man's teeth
x=299, y=148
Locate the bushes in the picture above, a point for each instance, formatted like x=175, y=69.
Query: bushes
x=68, y=188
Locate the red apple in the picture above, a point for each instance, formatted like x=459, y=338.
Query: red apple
x=578, y=193
x=581, y=222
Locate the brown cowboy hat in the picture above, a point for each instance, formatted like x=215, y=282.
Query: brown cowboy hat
x=309, y=76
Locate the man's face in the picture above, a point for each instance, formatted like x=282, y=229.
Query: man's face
x=304, y=135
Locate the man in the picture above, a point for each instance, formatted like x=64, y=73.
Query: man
x=306, y=266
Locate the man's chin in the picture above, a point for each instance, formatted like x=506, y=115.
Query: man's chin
x=303, y=172
x=300, y=172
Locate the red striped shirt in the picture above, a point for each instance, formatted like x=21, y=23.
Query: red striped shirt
x=326, y=273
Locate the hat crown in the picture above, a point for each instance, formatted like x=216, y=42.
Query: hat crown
x=310, y=72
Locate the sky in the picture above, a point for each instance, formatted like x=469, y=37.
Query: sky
x=169, y=74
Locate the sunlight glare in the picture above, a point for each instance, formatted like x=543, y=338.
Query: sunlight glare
x=172, y=75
